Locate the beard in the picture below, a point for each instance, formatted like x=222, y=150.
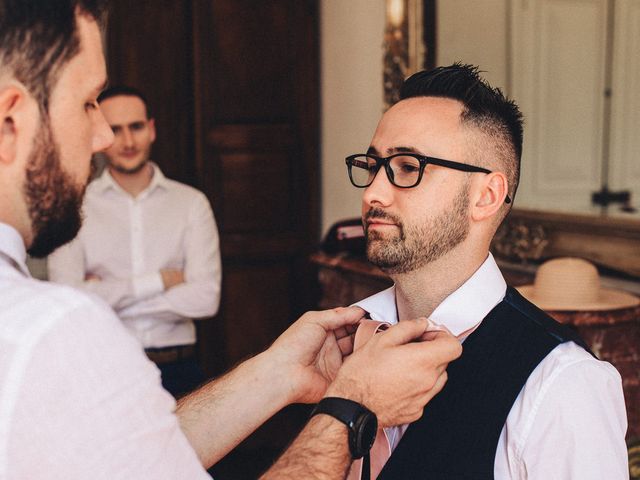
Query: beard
x=416, y=246
x=53, y=199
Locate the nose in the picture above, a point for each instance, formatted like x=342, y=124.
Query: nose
x=380, y=192
x=127, y=137
x=102, y=133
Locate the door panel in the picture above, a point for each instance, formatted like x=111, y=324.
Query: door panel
x=561, y=93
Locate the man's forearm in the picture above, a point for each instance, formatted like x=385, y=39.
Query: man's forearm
x=321, y=451
x=218, y=416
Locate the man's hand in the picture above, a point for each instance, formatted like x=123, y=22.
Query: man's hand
x=171, y=277
x=398, y=371
x=310, y=352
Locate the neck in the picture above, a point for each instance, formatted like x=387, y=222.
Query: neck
x=419, y=292
x=133, y=183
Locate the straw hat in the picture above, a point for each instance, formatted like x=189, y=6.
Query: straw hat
x=573, y=284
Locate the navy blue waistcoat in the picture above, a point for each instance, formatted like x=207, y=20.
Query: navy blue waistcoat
x=457, y=436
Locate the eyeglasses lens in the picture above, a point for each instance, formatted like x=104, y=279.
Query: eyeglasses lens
x=403, y=171
x=363, y=169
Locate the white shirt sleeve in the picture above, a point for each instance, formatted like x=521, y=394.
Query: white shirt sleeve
x=90, y=405
x=67, y=266
x=199, y=296
x=576, y=428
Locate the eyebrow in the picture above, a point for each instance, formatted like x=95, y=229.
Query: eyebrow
x=392, y=150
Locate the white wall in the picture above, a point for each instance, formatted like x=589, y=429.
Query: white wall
x=352, y=96
x=474, y=32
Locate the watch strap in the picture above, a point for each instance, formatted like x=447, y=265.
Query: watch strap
x=351, y=414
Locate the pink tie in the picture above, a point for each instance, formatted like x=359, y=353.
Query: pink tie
x=381, y=449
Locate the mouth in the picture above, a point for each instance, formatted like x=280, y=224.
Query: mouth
x=129, y=154
x=378, y=220
x=374, y=223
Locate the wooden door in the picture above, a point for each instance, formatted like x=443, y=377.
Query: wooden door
x=256, y=110
x=233, y=85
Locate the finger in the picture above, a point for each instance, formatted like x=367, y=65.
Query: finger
x=346, y=331
x=439, y=351
x=345, y=345
x=433, y=334
x=338, y=317
x=437, y=388
x=403, y=332
x=433, y=326
x=439, y=385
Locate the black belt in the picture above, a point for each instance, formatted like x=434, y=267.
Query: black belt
x=170, y=354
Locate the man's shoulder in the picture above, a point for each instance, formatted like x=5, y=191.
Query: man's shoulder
x=32, y=307
x=183, y=189
x=524, y=309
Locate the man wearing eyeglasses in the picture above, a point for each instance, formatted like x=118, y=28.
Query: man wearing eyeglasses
x=526, y=399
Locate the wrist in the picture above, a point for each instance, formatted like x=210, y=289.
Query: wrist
x=280, y=385
x=348, y=388
x=361, y=422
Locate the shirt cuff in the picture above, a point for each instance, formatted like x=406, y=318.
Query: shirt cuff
x=147, y=285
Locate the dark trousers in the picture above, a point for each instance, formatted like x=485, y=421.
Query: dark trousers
x=181, y=377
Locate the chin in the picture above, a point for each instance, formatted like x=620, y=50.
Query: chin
x=128, y=167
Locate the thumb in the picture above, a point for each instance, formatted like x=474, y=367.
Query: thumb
x=405, y=331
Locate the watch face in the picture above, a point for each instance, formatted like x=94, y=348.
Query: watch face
x=366, y=428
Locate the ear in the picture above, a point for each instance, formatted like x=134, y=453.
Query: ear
x=152, y=129
x=11, y=98
x=489, y=197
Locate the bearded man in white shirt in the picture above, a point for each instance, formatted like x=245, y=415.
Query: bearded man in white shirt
x=526, y=400
x=78, y=398
x=148, y=246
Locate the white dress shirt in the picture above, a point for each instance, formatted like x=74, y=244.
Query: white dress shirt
x=78, y=398
x=126, y=241
x=568, y=422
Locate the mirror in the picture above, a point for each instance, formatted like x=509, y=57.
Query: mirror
x=573, y=68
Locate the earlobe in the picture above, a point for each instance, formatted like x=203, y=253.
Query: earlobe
x=491, y=197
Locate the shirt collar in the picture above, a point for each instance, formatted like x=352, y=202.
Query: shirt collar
x=461, y=310
x=12, y=247
x=106, y=182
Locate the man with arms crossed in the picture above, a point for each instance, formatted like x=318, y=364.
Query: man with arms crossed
x=78, y=398
x=525, y=399
x=148, y=246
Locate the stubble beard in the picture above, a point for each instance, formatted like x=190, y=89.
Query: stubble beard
x=54, y=199
x=413, y=247
x=130, y=170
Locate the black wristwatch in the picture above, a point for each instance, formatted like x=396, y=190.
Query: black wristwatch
x=360, y=421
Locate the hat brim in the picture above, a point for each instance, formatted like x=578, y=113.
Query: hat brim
x=608, y=299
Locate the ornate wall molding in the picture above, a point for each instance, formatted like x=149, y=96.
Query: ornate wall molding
x=613, y=243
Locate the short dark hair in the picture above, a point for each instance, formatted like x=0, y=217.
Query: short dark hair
x=38, y=37
x=484, y=106
x=127, y=91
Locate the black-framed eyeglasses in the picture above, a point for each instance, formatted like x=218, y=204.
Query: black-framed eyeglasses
x=404, y=170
